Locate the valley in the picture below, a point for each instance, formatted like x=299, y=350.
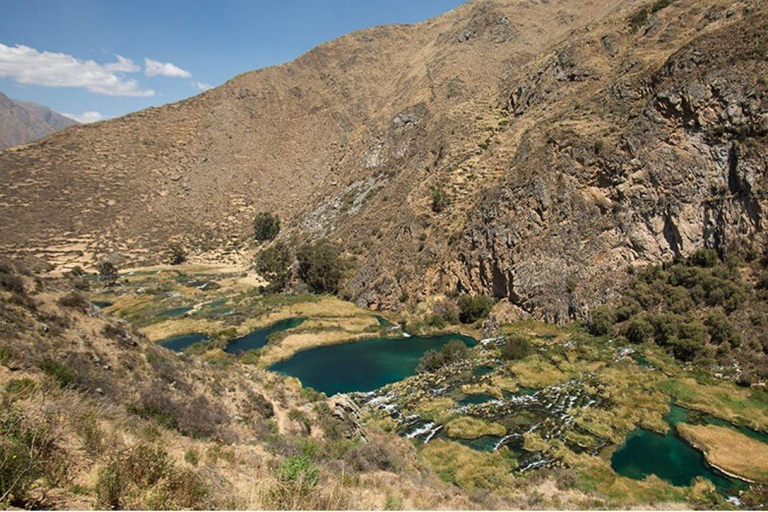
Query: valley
x=598, y=412
x=509, y=257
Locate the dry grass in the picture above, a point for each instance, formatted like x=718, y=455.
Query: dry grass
x=728, y=450
x=468, y=427
x=535, y=372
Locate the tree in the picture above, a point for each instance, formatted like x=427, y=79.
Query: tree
x=473, y=308
x=177, y=254
x=320, y=266
x=639, y=330
x=516, y=347
x=439, y=198
x=452, y=352
x=274, y=264
x=266, y=226
x=107, y=273
x=601, y=322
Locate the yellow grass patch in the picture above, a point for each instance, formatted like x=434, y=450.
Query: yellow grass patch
x=468, y=427
x=729, y=450
x=468, y=468
x=535, y=372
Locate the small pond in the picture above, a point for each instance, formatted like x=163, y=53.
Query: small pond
x=481, y=371
x=170, y=313
x=363, y=365
x=479, y=398
x=669, y=457
x=179, y=343
x=102, y=304
x=259, y=337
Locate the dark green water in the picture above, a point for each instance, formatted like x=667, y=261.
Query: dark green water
x=679, y=414
x=179, y=343
x=363, y=365
x=384, y=322
x=667, y=456
x=102, y=304
x=175, y=312
x=483, y=444
x=482, y=370
x=258, y=338
x=479, y=398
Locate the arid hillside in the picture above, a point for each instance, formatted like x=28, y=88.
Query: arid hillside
x=22, y=122
x=569, y=141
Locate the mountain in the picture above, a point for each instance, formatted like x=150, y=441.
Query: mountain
x=572, y=142
x=22, y=122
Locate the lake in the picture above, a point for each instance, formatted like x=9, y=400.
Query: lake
x=363, y=365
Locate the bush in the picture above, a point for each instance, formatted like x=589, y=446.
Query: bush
x=192, y=457
x=601, y=322
x=28, y=452
x=274, y=264
x=58, y=372
x=439, y=198
x=108, y=273
x=431, y=361
x=371, y=457
x=516, y=347
x=298, y=469
x=720, y=329
x=473, y=307
x=452, y=352
x=177, y=254
x=320, y=266
x=639, y=330
x=705, y=258
x=12, y=283
x=266, y=226
x=76, y=301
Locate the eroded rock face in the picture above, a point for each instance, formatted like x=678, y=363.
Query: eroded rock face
x=688, y=171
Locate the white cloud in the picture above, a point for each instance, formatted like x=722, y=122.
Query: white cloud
x=202, y=86
x=155, y=68
x=90, y=116
x=30, y=67
x=123, y=65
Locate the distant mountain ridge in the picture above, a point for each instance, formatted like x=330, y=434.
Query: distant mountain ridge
x=23, y=121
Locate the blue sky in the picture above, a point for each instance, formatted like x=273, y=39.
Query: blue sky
x=64, y=54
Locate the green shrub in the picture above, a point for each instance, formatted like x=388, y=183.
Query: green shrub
x=452, y=352
x=11, y=282
x=19, y=389
x=639, y=330
x=473, y=307
x=107, y=273
x=61, y=374
x=705, y=258
x=192, y=457
x=720, y=330
x=298, y=470
x=28, y=452
x=274, y=264
x=110, y=487
x=266, y=226
x=431, y=361
x=601, y=321
x=177, y=255
x=76, y=301
x=320, y=266
x=516, y=347
x=440, y=199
